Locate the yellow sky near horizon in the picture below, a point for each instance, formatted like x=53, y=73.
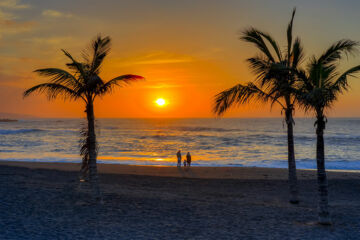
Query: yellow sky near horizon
x=188, y=51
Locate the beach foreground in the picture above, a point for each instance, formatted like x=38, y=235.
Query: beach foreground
x=42, y=201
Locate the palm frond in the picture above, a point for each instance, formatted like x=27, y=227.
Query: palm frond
x=100, y=49
x=342, y=82
x=273, y=43
x=60, y=76
x=238, y=95
x=76, y=66
x=254, y=36
x=302, y=79
x=53, y=90
x=297, y=54
x=267, y=72
x=289, y=33
x=119, y=81
x=259, y=65
x=335, y=51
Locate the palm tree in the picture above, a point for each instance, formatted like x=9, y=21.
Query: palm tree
x=275, y=83
x=83, y=83
x=321, y=86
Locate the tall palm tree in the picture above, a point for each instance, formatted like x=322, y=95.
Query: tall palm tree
x=322, y=84
x=83, y=82
x=275, y=83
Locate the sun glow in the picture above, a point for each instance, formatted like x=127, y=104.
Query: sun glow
x=160, y=102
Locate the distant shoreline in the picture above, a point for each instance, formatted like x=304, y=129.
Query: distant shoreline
x=8, y=120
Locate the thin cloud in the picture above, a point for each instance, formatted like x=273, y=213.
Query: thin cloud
x=55, y=14
x=13, y=4
x=161, y=86
x=163, y=61
x=8, y=6
x=10, y=27
x=159, y=58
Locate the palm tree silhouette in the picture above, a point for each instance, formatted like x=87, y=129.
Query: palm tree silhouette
x=321, y=86
x=84, y=83
x=275, y=83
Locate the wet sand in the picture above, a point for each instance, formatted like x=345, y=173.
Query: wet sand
x=245, y=173
x=42, y=201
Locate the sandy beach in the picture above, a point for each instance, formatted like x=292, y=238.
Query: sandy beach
x=41, y=201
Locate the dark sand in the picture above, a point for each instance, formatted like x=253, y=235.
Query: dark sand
x=46, y=204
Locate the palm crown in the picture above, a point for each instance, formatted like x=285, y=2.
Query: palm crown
x=322, y=82
x=273, y=68
x=84, y=82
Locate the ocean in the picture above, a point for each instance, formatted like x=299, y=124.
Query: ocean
x=211, y=142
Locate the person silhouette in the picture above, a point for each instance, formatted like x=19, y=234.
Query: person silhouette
x=178, y=154
x=188, y=159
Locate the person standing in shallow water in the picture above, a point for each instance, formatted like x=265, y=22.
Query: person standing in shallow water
x=178, y=154
x=188, y=159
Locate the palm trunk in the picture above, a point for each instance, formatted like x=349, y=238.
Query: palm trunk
x=293, y=185
x=324, y=216
x=93, y=176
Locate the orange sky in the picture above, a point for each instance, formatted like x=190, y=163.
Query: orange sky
x=187, y=50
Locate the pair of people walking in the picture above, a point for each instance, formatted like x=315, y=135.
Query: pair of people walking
x=187, y=161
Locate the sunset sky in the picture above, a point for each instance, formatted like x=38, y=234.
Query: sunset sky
x=187, y=50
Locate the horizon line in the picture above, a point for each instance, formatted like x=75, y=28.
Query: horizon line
x=33, y=118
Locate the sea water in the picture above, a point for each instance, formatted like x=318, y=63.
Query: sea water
x=211, y=142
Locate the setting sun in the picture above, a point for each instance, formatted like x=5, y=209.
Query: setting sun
x=160, y=102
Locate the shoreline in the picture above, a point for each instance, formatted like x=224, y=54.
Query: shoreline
x=201, y=172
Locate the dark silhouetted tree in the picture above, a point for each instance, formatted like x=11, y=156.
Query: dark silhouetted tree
x=83, y=82
x=322, y=84
x=275, y=83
